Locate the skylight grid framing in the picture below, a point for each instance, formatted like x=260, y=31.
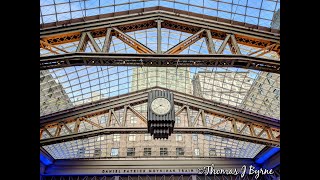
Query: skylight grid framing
x=104, y=82
x=129, y=5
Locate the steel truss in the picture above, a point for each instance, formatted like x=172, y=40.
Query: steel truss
x=162, y=177
x=159, y=60
x=160, y=17
x=127, y=102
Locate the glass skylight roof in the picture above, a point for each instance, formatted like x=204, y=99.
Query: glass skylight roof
x=86, y=84
x=256, y=12
x=64, y=88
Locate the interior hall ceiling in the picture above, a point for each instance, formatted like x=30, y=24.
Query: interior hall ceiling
x=69, y=87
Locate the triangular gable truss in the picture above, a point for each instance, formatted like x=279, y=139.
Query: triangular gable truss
x=221, y=123
x=231, y=37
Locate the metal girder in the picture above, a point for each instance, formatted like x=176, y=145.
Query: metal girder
x=140, y=48
x=141, y=96
x=232, y=42
x=178, y=48
x=125, y=116
x=234, y=47
x=159, y=60
x=46, y=130
x=196, y=119
x=265, y=50
x=77, y=125
x=209, y=42
x=223, y=45
x=96, y=108
x=85, y=38
x=186, y=101
x=180, y=110
x=82, y=43
x=107, y=41
x=138, y=114
x=159, y=51
x=49, y=47
x=143, y=130
x=58, y=130
x=66, y=127
x=115, y=117
x=92, y=123
x=186, y=22
x=188, y=116
x=93, y=42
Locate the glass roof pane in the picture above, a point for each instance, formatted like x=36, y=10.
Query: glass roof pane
x=252, y=10
x=64, y=88
x=255, y=91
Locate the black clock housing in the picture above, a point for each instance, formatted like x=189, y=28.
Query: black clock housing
x=160, y=126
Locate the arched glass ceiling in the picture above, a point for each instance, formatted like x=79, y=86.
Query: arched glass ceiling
x=256, y=12
x=64, y=88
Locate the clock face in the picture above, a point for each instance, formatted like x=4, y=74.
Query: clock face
x=160, y=106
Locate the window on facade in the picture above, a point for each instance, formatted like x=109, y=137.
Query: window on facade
x=228, y=152
x=277, y=93
x=163, y=151
x=114, y=152
x=147, y=152
x=178, y=137
x=212, y=152
x=178, y=120
x=81, y=151
x=100, y=138
x=179, y=151
x=97, y=152
x=181, y=76
x=195, y=137
x=252, y=98
x=133, y=120
x=260, y=89
x=197, y=152
x=116, y=137
x=132, y=137
x=131, y=152
x=270, y=81
x=208, y=137
x=147, y=137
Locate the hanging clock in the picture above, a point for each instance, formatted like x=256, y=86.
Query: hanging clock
x=160, y=106
x=161, y=115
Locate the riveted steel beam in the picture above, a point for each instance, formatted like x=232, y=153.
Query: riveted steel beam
x=159, y=60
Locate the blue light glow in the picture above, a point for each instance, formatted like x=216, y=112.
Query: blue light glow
x=44, y=160
x=267, y=155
